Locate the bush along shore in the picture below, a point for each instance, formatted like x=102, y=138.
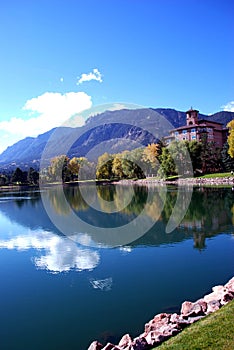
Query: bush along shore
x=165, y=325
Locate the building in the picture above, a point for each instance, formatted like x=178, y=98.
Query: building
x=196, y=129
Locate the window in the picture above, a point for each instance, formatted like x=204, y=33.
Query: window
x=193, y=130
x=193, y=137
x=176, y=133
x=184, y=131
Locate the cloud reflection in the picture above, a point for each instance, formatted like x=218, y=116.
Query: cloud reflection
x=62, y=254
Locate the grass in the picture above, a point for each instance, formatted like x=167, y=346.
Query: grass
x=214, y=332
x=208, y=176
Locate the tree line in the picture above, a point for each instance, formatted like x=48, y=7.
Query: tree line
x=156, y=159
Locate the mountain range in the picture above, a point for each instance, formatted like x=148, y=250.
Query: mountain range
x=110, y=131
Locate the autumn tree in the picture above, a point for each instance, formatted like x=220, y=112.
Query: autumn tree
x=150, y=156
x=59, y=168
x=104, y=166
x=230, y=140
x=117, y=167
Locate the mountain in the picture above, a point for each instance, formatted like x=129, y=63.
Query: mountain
x=111, y=131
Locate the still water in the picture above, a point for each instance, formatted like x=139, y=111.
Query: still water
x=89, y=263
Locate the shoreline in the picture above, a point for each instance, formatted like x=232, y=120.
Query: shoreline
x=165, y=325
x=194, y=181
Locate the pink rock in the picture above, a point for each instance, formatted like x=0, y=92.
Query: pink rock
x=203, y=304
x=153, y=338
x=212, y=296
x=230, y=285
x=212, y=306
x=218, y=289
x=228, y=296
x=110, y=346
x=195, y=319
x=174, y=318
x=125, y=341
x=189, y=309
x=186, y=308
x=140, y=344
x=95, y=345
x=162, y=317
x=157, y=322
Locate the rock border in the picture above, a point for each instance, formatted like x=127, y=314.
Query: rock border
x=165, y=325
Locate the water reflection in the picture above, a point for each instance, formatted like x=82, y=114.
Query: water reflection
x=103, y=284
x=211, y=211
x=61, y=254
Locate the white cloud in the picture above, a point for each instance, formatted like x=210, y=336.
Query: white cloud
x=229, y=107
x=45, y=112
x=62, y=254
x=94, y=75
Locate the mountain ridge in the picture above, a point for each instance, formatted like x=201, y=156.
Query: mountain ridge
x=126, y=128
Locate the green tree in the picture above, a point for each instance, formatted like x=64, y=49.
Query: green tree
x=211, y=159
x=18, y=176
x=195, y=148
x=167, y=164
x=3, y=180
x=32, y=176
x=227, y=160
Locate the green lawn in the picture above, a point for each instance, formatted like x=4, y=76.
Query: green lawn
x=214, y=332
x=208, y=176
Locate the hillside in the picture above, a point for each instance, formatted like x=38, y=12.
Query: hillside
x=111, y=131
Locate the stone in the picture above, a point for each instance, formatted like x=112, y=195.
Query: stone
x=95, y=345
x=186, y=308
x=228, y=296
x=125, y=341
x=110, y=346
x=203, y=304
x=139, y=344
x=195, y=319
x=193, y=309
x=212, y=306
x=230, y=285
x=154, y=338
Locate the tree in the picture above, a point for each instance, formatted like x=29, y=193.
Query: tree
x=19, y=176
x=230, y=140
x=74, y=167
x=117, y=168
x=195, y=148
x=59, y=168
x=104, y=166
x=167, y=164
x=32, y=176
x=211, y=160
x=3, y=180
x=150, y=156
x=227, y=160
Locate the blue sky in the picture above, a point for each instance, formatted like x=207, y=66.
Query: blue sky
x=60, y=56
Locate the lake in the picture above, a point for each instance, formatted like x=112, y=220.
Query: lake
x=95, y=262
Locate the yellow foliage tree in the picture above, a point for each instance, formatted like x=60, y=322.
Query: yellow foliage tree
x=231, y=138
x=150, y=154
